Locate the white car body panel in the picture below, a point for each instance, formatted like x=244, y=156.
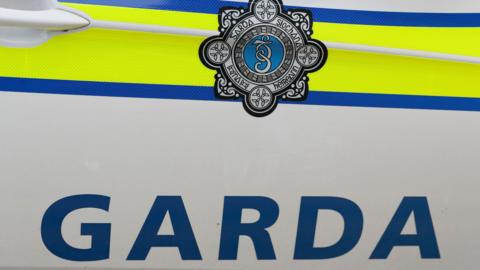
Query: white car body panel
x=133, y=150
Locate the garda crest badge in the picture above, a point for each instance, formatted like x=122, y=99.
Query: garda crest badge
x=263, y=54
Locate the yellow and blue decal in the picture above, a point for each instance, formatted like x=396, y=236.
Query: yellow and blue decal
x=101, y=62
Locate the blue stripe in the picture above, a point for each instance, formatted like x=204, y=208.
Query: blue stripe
x=207, y=94
x=319, y=14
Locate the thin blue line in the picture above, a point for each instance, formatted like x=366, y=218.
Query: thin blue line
x=319, y=14
x=154, y=91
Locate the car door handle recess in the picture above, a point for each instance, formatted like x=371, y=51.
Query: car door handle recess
x=50, y=20
x=30, y=28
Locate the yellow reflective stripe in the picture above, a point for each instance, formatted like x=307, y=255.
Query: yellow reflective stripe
x=111, y=56
x=133, y=57
x=463, y=41
x=348, y=71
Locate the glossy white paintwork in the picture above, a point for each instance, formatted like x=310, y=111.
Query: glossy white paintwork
x=54, y=146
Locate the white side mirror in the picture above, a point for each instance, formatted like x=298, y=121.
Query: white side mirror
x=24, y=26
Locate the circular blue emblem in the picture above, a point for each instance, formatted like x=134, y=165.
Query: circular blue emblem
x=263, y=54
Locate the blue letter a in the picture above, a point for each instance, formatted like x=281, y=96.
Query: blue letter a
x=425, y=238
x=183, y=237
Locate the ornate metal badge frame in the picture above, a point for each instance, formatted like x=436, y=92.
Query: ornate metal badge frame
x=263, y=55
